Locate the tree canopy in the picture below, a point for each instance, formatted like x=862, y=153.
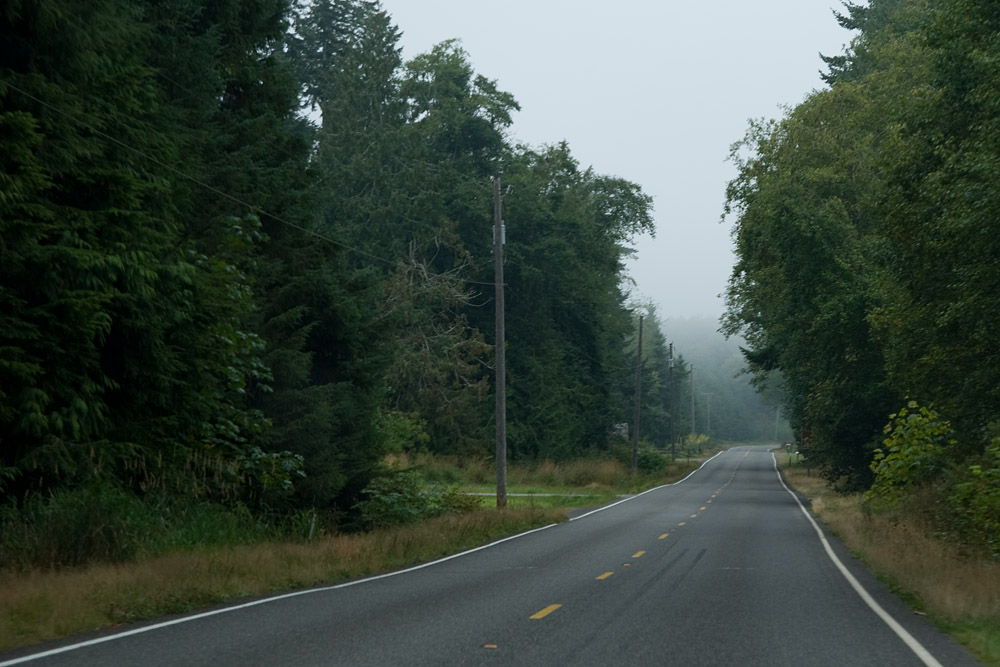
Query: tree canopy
x=866, y=246
x=245, y=251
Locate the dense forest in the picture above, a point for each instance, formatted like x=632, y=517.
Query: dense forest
x=865, y=222
x=246, y=252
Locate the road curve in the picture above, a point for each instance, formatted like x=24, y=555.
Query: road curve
x=724, y=568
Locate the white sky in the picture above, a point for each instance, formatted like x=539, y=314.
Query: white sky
x=653, y=91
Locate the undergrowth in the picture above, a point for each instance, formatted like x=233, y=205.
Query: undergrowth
x=103, y=523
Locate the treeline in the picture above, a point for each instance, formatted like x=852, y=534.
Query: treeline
x=726, y=404
x=664, y=379
x=867, y=241
x=246, y=251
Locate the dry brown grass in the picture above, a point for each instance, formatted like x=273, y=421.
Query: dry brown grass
x=585, y=473
x=44, y=605
x=959, y=592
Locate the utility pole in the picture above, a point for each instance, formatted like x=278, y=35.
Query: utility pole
x=777, y=414
x=693, y=431
x=708, y=429
x=638, y=402
x=500, y=359
x=673, y=403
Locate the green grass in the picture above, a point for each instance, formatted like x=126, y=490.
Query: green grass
x=982, y=639
x=517, y=488
x=566, y=502
x=596, y=475
x=551, y=485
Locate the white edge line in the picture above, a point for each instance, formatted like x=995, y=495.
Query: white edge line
x=914, y=645
x=625, y=500
x=254, y=603
x=284, y=596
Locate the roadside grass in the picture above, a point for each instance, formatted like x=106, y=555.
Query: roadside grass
x=535, y=501
x=578, y=484
x=48, y=603
x=602, y=478
x=958, y=592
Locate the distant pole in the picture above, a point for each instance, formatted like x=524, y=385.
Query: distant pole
x=638, y=402
x=693, y=431
x=673, y=403
x=499, y=349
x=708, y=429
x=777, y=414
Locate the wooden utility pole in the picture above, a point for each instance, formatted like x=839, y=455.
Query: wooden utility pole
x=500, y=359
x=638, y=402
x=708, y=428
x=693, y=431
x=673, y=403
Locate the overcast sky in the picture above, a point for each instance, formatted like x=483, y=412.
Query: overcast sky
x=654, y=91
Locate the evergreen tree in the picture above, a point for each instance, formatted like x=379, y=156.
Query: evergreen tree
x=126, y=339
x=566, y=319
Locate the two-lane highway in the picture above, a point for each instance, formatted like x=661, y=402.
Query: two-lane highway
x=724, y=568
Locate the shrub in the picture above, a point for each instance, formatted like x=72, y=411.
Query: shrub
x=651, y=461
x=695, y=443
x=396, y=497
x=974, y=502
x=392, y=497
x=914, y=454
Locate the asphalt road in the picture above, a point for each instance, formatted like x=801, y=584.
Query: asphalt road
x=723, y=568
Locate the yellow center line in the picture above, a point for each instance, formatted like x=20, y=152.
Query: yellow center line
x=694, y=516
x=702, y=509
x=681, y=523
x=638, y=554
x=663, y=536
x=545, y=612
x=603, y=576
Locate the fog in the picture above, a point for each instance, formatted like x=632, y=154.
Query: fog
x=651, y=91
